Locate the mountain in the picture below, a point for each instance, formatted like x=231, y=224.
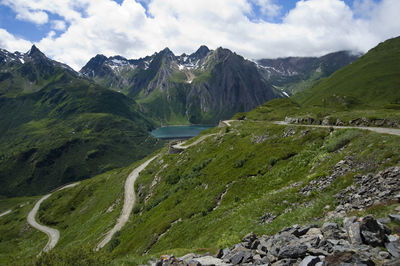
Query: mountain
x=202, y=87
x=62, y=128
x=28, y=72
x=373, y=81
x=304, y=188
x=294, y=74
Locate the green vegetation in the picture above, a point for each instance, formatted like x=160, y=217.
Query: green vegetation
x=68, y=131
x=178, y=194
x=371, y=81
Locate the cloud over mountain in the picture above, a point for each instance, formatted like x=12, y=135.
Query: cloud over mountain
x=138, y=28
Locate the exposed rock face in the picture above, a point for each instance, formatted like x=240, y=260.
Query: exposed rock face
x=358, y=242
x=203, y=87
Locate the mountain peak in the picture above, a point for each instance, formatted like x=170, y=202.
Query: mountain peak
x=34, y=51
x=202, y=51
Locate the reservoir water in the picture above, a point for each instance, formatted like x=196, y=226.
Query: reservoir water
x=178, y=132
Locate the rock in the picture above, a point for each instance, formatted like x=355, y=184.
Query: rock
x=249, y=237
x=398, y=207
x=384, y=255
x=393, y=249
x=395, y=262
x=285, y=262
x=331, y=230
x=208, y=260
x=238, y=257
x=220, y=253
x=395, y=217
x=294, y=251
x=384, y=220
x=192, y=263
x=347, y=258
x=258, y=260
x=314, y=232
x=352, y=228
x=372, y=232
x=187, y=257
x=309, y=261
x=397, y=197
x=317, y=252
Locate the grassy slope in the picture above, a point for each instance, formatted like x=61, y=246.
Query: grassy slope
x=192, y=181
x=68, y=131
x=373, y=80
x=18, y=241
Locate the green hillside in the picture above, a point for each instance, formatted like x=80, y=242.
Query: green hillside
x=371, y=81
x=212, y=194
x=69, y=130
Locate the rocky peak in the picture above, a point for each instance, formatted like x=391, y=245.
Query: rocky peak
x=167, y=52
x=35, y=53
x=201, y=52
x=222, y=53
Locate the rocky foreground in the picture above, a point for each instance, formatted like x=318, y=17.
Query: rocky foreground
x=358, y=241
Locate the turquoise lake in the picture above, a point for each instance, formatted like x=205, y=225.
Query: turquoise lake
x=172, y=132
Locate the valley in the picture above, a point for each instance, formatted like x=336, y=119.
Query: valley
x=316, y=172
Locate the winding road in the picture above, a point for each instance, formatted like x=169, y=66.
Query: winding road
x=53, y=234
x=382, y=130
x=182, y=146
x=129, y=201
x=5, y=213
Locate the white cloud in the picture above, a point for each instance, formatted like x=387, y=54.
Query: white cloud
x=12, y=43
x=313, y=27
x=269, y=8
x=58, y=25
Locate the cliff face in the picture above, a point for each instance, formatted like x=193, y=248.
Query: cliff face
x=203, y=87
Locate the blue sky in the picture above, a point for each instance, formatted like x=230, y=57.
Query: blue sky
x=35, y=33
x=75, y=30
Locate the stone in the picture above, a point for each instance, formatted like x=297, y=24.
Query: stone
x=285, y=262
x=238, y=257
x=208, y=260
x=249, y=237
x=187, y=257
x=255, y=244
x=220, y=253
x=384, y=220
x=317, y=252
x=395, y=217
x=395, y=262
x=331, y=230
x=193, y=263
x=384, y=255
x=314, y=232
x=393, y=249
x=292, y=252
x=352, y=228
x=372, y=232
x=309, y=261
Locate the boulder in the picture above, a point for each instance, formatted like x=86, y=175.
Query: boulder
x=207, y=260
x=352, y=227
x=393, y=249
x=395, y=217
x=292, y=251
x=372, y=232
x=310, y=261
